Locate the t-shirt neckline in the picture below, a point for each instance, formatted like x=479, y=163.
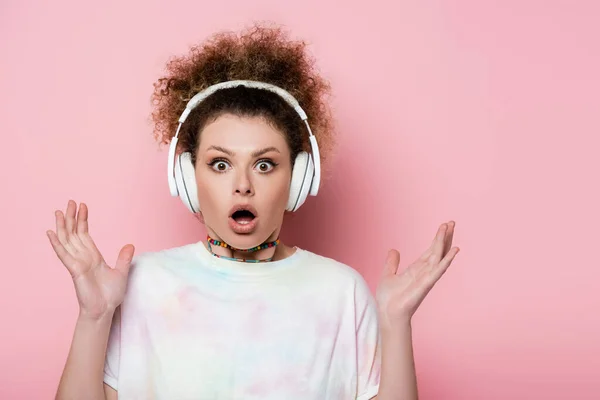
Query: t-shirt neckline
x=244, y=268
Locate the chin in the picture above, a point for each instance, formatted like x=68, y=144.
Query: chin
x=243, y=228
x=244, y=241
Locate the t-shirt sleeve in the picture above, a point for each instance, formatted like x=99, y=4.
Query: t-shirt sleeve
x=368, y=342
x=113, y=351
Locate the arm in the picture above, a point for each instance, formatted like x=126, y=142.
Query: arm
x=110, y=393
x=398, y=377
x=100, y=289
x=399, y=294
x=83, y=372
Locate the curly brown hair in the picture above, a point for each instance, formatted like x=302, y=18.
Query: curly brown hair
x=257, y=53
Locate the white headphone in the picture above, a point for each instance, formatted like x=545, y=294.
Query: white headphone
x=306, y=173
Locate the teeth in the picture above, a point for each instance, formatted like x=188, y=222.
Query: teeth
x=243, y=222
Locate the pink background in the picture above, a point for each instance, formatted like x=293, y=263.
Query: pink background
x=479, y=111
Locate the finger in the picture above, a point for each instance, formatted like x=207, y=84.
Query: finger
x=61, y=230
x=61, y=252
x=72, y=227
x=449, y=237
x=83, y=231
x=69, y=240
x=391, y=263
x=85, y=240
x=427, y=254
x=124, y=259
x=438, y=244
x=445, y=263
x=70, y=217
x=90, y=245
x=82, y=219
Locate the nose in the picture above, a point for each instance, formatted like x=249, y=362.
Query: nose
x=243, y=184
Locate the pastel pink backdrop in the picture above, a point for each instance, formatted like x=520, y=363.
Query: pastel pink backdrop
x=478, y=111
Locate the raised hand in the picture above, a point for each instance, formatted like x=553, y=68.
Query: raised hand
x=400, y=293
x=100, y=289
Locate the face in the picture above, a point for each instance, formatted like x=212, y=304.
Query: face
x=243, y=172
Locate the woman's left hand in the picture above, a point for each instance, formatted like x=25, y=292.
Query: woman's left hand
x=399, y=294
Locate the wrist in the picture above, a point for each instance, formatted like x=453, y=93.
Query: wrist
x=95, y=318
x=394, y=324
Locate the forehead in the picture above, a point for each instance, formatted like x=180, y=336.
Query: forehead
x=235, y=132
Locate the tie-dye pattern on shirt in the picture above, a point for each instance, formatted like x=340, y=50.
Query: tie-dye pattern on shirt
x=193, y=326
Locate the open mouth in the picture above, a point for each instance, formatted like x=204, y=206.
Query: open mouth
x=243, y=217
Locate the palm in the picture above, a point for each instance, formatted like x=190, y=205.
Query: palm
x=400, y=294
x=100, y=288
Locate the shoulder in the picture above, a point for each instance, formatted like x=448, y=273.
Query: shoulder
x=179, y=253
x=340, y=287
x=329, y=265
x=160, y=258
x=151, y=268
x=335, y=273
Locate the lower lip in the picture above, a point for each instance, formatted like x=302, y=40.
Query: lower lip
x=242, y=228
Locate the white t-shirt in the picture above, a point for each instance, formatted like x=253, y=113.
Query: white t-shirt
x=194, y=326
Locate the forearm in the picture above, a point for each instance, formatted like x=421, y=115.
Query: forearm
x=398, y=377
x=83, y=375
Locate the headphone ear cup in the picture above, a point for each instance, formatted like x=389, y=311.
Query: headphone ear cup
x=185, y=178
x=302, y=176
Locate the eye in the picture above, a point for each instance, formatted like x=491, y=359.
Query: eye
x=265, y=166
x=219, y=165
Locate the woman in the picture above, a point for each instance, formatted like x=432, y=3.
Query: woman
x=240, y=315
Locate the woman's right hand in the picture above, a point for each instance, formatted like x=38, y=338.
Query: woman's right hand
x=100, y=289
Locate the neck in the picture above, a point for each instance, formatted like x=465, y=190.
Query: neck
x=278, y=252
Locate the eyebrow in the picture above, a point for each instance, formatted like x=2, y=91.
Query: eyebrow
x=255, y=154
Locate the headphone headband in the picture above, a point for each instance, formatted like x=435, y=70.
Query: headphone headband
x=284, y=94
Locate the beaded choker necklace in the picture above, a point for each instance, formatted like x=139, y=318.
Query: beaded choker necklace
x=212, y=241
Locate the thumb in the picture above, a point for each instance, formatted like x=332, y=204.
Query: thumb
x=124, y=259
x=391, y=263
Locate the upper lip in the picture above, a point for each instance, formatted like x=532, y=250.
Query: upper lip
x=239, y=207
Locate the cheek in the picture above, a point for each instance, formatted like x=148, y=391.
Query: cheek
x=272, y=195
x=211, y=193
x=280, y=192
